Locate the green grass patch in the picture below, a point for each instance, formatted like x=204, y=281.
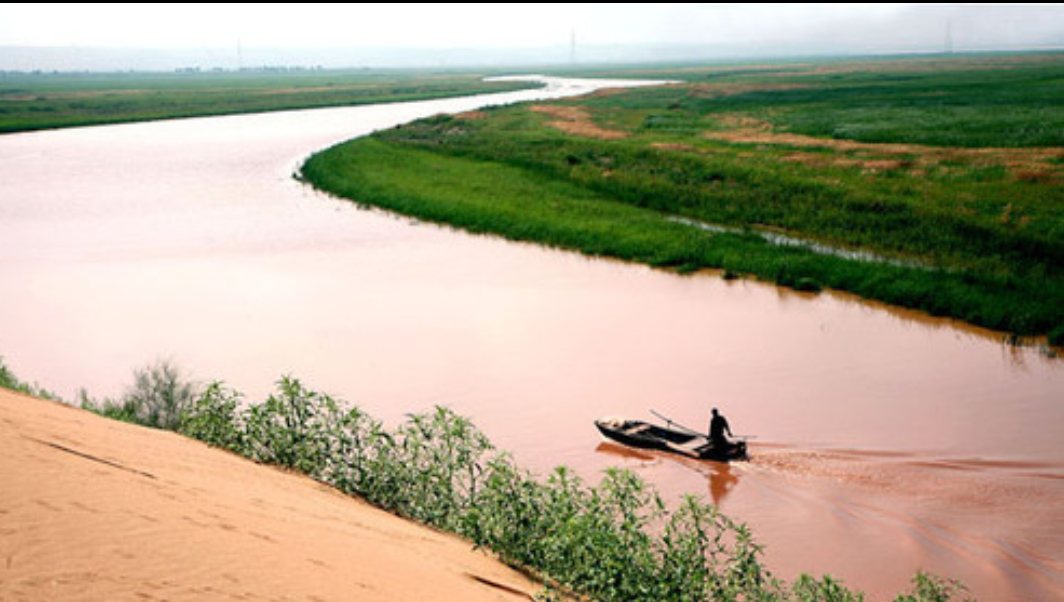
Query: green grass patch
x=972, y=234
x=964, y=100
x=487, y=197
x=35, y=101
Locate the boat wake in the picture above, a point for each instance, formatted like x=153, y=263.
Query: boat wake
x=875, y=518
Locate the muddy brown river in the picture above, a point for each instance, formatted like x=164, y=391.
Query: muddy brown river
x=887, y=442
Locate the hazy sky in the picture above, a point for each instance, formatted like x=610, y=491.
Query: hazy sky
x=408, y=25
x=851, y=28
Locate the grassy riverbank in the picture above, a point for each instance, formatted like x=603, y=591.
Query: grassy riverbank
x=35, y=101
x=937, y=183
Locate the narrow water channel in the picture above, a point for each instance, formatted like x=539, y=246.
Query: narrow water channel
x=886, y=443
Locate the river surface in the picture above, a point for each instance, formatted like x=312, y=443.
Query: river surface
x=887, y=442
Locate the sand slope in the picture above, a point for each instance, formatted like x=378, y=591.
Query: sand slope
x=93, y=509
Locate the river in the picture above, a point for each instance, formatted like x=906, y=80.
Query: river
x=887, y=442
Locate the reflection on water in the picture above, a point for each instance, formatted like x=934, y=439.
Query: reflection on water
x=720, y=475
x=992, y=524
x=189, y=239
x=721, y=481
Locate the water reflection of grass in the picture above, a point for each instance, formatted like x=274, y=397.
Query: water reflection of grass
x=912, y=181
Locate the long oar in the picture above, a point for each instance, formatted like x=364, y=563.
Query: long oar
x=670, y=423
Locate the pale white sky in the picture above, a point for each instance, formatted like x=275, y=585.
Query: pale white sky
x=417, y=25
x=727, y=28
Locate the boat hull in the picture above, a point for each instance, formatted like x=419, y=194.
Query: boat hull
x=643, y=435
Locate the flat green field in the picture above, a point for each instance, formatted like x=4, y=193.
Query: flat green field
x=935, y=183
x=35, y=101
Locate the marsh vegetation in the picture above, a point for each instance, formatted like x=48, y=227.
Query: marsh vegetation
x=947, y=173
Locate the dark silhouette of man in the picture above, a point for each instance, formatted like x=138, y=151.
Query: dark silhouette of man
x=718, y=426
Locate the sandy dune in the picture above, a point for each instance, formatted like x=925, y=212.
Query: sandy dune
x=92, y=509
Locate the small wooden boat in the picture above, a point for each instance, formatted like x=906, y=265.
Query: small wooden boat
x=636, y=433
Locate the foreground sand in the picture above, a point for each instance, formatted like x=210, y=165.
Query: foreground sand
x=93, y=509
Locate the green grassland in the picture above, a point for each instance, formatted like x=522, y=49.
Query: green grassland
x=1010, y=100
x=35, y=101
x=939, y=181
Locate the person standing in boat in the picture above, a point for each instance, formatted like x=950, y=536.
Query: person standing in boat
x=718, y=426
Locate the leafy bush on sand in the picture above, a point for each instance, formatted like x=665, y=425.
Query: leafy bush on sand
x=159, y=397
x=8, y=380
x=614, y=541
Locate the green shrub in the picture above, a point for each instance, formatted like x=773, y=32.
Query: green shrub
x=293, y=428
x=159, y=397
x=124, y=411
x=8, y=380
x=213, y=418
x=617, y=541
x=160, y=394
x=929, y=588
x=613, y=542
x=436, y=466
